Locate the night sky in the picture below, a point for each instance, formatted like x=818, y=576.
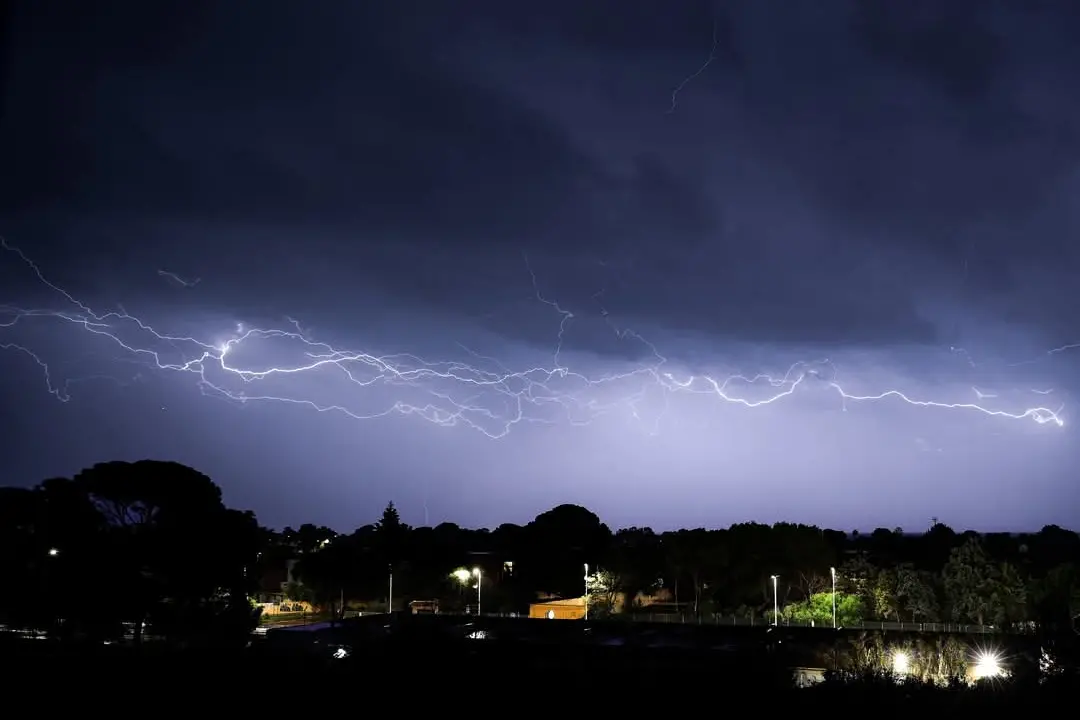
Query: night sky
x=483, y=257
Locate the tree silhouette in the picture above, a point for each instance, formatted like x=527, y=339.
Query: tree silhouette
x=158, y=536
x=391, y=536
x=176, y=561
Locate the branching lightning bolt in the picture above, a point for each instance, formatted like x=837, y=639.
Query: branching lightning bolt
x=482, y=393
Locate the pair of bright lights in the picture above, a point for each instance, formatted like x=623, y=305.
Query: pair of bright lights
x=987, y=664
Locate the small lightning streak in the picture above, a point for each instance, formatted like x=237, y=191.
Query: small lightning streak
x=1049, y=353
x=704, y=66
x=179, y=280
x=246, y=366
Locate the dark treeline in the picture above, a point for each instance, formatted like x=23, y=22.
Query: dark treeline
x=124, y=546
x=936, y=576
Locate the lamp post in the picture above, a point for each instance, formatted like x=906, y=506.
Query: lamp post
x=586, y=591
x=390, y=600
x=832, y=571
x=479, y=582
x=775, y=603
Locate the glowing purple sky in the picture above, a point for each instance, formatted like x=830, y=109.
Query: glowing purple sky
x=399, y=211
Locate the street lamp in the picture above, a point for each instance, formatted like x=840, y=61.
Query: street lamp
x=479, y=582
x=390, y=600
x=775, y=602
x=832, y=571
x=586, y=591
x=53, y=552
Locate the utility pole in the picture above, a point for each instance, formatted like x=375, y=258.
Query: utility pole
x=832, y=571
x=775, y=603
x=586, y=591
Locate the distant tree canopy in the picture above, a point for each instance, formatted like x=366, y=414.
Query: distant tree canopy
x=122, y=546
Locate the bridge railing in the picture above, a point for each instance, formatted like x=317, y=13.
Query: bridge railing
x=735, y=620
x=720, y=620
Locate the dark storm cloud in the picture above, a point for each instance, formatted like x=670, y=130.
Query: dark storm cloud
x=309, y=119
x=910, y=119
x=898, y=125
x=910, y=116
x=951, y=45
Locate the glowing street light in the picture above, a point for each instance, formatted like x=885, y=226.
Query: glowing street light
x=586, y=591
x=53, y=552
x=479, y=582
x=901, y=663
x=462, y=575
x=833, y=572
x=775, y=602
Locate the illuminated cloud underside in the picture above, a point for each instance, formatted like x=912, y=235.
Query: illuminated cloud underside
x=261, y=365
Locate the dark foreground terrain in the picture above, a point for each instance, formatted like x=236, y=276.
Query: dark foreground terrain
x=419, y=670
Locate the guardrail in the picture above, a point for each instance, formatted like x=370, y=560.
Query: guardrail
x=736, y=621
x=719, y=620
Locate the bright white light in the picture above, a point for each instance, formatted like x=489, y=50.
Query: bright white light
x=53, y=552
x=901, y=663
x=987, y=665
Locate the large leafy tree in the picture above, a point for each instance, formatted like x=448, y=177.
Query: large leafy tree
x=973, y=584
x=172, y=552
x=916, y=594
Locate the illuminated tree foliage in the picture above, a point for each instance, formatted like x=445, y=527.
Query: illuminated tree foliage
x=981, y=591
x=818, y=609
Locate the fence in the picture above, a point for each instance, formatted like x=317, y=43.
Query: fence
x=717, y=620
x=737, y=621
x=734, y=620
